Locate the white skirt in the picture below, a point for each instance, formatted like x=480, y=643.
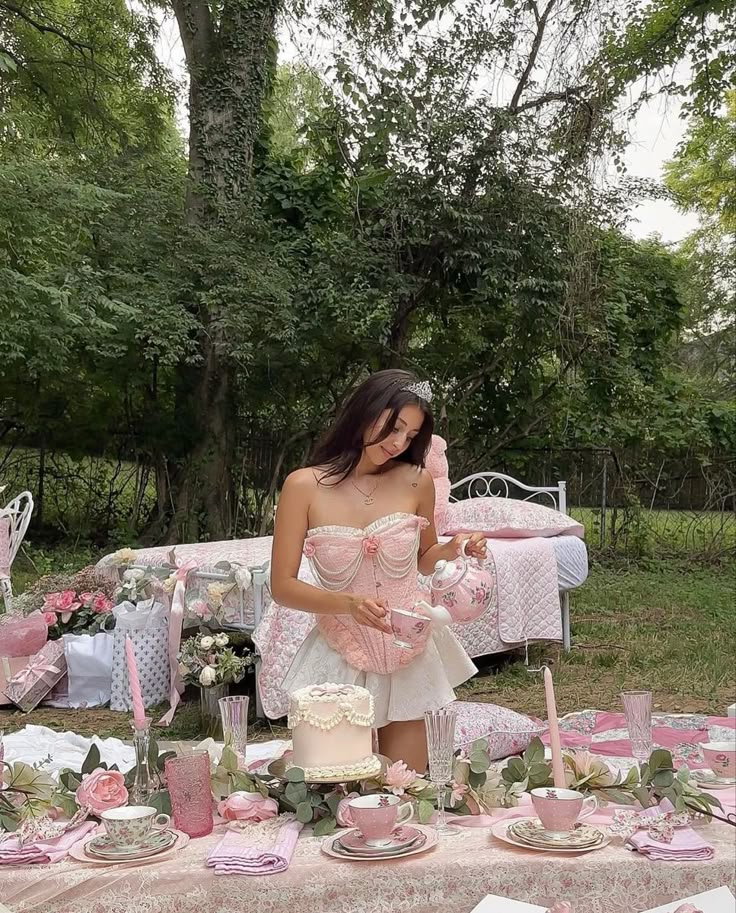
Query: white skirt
x=425, y=684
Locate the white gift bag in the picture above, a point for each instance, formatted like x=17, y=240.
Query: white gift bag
x=89, y=668
x=147, y=624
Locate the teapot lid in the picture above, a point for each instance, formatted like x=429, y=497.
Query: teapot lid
x=448, y=573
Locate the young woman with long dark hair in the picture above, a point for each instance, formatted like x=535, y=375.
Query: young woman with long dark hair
x=362, y=512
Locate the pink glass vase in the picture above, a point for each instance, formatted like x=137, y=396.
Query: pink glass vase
x=188, y=781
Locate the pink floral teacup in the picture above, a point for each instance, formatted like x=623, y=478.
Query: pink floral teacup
x=129, y=826
x=559, y=809
x=721, y=758
x=377, y=816
x=410, y=628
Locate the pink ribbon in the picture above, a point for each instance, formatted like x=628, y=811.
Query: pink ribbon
x=176, y=621
x=35, y=667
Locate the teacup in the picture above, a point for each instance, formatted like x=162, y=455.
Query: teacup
x=409, y=628
x=377, y=816
x=131, y=825
x=721, y=758
x=559, y=809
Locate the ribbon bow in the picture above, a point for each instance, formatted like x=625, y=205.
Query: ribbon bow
x=659, y=827
x=35, y=667
x=183, y=568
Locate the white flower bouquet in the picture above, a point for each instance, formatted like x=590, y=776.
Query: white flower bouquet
x=208, y=659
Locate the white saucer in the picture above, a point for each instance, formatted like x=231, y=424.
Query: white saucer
x=704, y=777
x=429, y=843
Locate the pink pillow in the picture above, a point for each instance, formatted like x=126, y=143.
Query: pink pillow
x=507, y=732
x=436, y=463
x=509, y=518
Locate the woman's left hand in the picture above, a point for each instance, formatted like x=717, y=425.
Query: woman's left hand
x=474, y=545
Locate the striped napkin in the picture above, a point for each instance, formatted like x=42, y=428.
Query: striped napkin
x=257, y=850
x=41, y=852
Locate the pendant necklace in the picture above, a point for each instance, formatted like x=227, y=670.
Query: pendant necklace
x=367, y=495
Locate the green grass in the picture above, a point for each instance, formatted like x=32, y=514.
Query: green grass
x=669, y=627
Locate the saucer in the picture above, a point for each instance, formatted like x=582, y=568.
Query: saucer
x=79, y=852
x=502, y=832
x=531, y=831
x=103, y=847
x=709, y=779
x=426, y=841
x=403, y=836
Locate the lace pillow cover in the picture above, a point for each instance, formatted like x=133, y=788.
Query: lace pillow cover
x=509, y=518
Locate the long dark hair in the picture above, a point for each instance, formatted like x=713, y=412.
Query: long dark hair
x=341, y=448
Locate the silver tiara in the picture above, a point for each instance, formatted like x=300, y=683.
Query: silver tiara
x=421, y=389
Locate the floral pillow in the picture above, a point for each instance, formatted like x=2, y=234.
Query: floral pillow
x=507, y=732
x=509, y=518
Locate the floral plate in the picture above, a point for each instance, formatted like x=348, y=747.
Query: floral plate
x=156, y=842
x=354, y=842
x=501, y=832
x=531, y=831
x=709, y=779
x=78, y=852
x=428, y=842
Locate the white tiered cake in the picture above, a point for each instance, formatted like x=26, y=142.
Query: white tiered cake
x=331, y=730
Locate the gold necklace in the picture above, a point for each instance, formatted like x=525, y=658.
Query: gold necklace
x=367, y=495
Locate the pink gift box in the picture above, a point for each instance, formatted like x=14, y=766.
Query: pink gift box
x=10, y=666
x=34, y=681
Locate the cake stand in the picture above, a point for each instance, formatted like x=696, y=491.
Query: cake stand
x=277, y=770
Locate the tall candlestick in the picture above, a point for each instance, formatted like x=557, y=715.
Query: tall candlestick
x=139, y=713
x=558, y=769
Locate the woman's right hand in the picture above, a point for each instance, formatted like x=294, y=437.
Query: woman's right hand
x=371, y=613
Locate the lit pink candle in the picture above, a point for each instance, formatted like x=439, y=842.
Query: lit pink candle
x=139, y=712
x=558, y=770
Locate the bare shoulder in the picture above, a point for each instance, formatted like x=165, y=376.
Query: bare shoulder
x=301, y=482
x=415, y=476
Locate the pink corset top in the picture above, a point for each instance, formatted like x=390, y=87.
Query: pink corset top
x=377, y=562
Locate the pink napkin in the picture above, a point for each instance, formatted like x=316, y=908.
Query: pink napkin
x=43, y=851
x=686, y=844
x=236, y=855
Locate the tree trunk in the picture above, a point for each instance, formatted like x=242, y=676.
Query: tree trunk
x=228, y=58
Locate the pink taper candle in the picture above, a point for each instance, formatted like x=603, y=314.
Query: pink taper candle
x=139, y=712
x=558, y=769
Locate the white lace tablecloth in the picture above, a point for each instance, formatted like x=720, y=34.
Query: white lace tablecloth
x=449, y=879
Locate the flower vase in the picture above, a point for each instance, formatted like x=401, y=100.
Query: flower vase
x=209, y=710
x=142, y=787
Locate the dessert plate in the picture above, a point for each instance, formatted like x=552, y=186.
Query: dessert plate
x=402, y=837
x=79, y=852
x=427, y=841
x=501, y=832
x=531, y=831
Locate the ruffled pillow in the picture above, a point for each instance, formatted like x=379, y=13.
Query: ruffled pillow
x=507, y=732
x=509, y=518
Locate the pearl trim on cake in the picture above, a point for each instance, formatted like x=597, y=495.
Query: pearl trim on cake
x=303, y=701
x=360, y=770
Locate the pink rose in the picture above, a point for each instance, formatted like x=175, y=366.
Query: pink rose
x=67, y=601
x=398, y=777
x=308, y=550
x=86, y=598
x=457, y=794
x=50, y=618
x=102, y=789
x=343, y=816
x=51, y=601
x=101, y=604
x=370, y=545
x=243, y=806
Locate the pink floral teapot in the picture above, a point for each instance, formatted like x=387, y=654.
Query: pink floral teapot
x=461, y=590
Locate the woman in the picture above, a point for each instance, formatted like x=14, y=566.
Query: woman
x=362, y=512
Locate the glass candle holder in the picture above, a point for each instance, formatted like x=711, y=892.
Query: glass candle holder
x=142, y=785
x=188, y=781
x=234, y=713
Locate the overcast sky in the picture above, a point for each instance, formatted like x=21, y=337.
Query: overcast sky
x=655, y=134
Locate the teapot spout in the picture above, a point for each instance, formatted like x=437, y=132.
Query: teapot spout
x=438, y=614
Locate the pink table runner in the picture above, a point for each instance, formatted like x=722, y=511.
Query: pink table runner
x=450, y=879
